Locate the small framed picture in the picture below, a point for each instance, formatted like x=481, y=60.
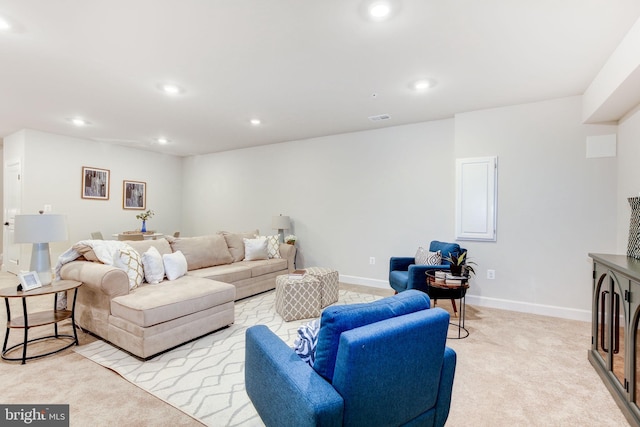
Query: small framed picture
x=29, y=280
x=95, y=183
x=134, y=195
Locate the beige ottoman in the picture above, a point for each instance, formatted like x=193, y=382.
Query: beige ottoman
x=329, y=281
x=298, y=298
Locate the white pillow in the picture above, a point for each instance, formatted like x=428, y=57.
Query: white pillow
x=424, y=257
x=255, y=249
x=153, y=265
x=175, y=265
x=273, y=246
x=129, y=261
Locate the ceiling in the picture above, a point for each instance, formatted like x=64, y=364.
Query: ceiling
x=304, y=68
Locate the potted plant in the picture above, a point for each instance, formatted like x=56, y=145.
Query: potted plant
x=290, y=239
x=460, y=266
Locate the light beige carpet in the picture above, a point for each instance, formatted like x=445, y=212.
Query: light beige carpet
x=514, y=369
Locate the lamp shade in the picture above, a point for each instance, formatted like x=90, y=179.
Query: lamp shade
x=280, y=222
x=40, y=228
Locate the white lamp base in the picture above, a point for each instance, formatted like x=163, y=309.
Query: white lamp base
x=41, y=262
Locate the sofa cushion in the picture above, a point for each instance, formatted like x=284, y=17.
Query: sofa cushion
x=337, y=319
x=265, y=266
x=228, y=273
x=142, y=246
x=235, y=243
x=175, y=265
x=150, y=305
x=203, y=251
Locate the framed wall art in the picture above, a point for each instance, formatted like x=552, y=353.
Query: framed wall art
x=95, y=183
x=134, y=195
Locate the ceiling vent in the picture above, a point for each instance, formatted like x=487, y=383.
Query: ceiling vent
x=379, y=117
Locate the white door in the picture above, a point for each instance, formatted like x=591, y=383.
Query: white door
x=12, y=200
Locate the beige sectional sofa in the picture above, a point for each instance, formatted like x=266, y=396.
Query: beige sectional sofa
x=152, y=318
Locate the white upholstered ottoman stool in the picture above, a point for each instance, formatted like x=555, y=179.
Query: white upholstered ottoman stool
x=298, y=298
x=329, y=281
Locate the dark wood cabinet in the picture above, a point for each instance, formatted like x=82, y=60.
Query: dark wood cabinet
x=615, y=340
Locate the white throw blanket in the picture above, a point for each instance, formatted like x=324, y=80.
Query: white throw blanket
x=105, y=251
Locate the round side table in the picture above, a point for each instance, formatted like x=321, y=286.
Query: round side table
x=438, y=288
x=42, y=318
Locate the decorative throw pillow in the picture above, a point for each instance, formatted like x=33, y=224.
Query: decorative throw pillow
x=153, y=265
x=255, y=249
x=175, y=265
x=273, y=246
x=129, y=261
x=425, y=257
x=305, y=344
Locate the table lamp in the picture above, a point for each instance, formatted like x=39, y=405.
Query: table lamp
x=40, y=230
x=280, y=223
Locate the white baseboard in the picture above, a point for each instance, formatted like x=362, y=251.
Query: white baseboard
x=503, y=304
x=364, y=281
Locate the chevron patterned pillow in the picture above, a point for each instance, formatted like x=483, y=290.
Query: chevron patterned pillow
x=305, y=344
x=425, y=257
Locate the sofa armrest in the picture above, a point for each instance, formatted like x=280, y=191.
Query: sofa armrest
x=101, y=278
x=284, y=389
x=288, y=252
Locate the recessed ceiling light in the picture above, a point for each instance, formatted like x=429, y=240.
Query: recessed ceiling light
x=255, y=122
x=379, y=10
x=170, y=88
x=423, y=84
x=162, y=140
x=79, y=121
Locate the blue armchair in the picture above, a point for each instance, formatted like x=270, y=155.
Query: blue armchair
x=405, y=274
x=383, y=363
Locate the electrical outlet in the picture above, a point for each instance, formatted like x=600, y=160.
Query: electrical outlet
x=372, y=260
x=491, y=274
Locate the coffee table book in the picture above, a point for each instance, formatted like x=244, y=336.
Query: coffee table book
x=297, y=274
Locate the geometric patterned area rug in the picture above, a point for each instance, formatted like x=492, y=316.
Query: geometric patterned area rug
x=205, y=378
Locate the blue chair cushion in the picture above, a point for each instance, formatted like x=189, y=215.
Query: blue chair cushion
x=337, y=319
x=445, y=248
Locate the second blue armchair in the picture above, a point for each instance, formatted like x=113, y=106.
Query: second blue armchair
x=405, y=274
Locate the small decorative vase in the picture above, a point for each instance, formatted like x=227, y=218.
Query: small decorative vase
x=633, y=247
x=144, y=226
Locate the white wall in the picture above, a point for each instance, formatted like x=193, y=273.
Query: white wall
x=52, y=174
x=385, y=192
x=350, y=197
x=628, y=173
x=554, y=206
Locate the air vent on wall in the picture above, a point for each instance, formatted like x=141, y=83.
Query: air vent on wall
x=379, y=117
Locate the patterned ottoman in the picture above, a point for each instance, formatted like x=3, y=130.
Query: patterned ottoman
x=329, y=280
x=298, y=298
